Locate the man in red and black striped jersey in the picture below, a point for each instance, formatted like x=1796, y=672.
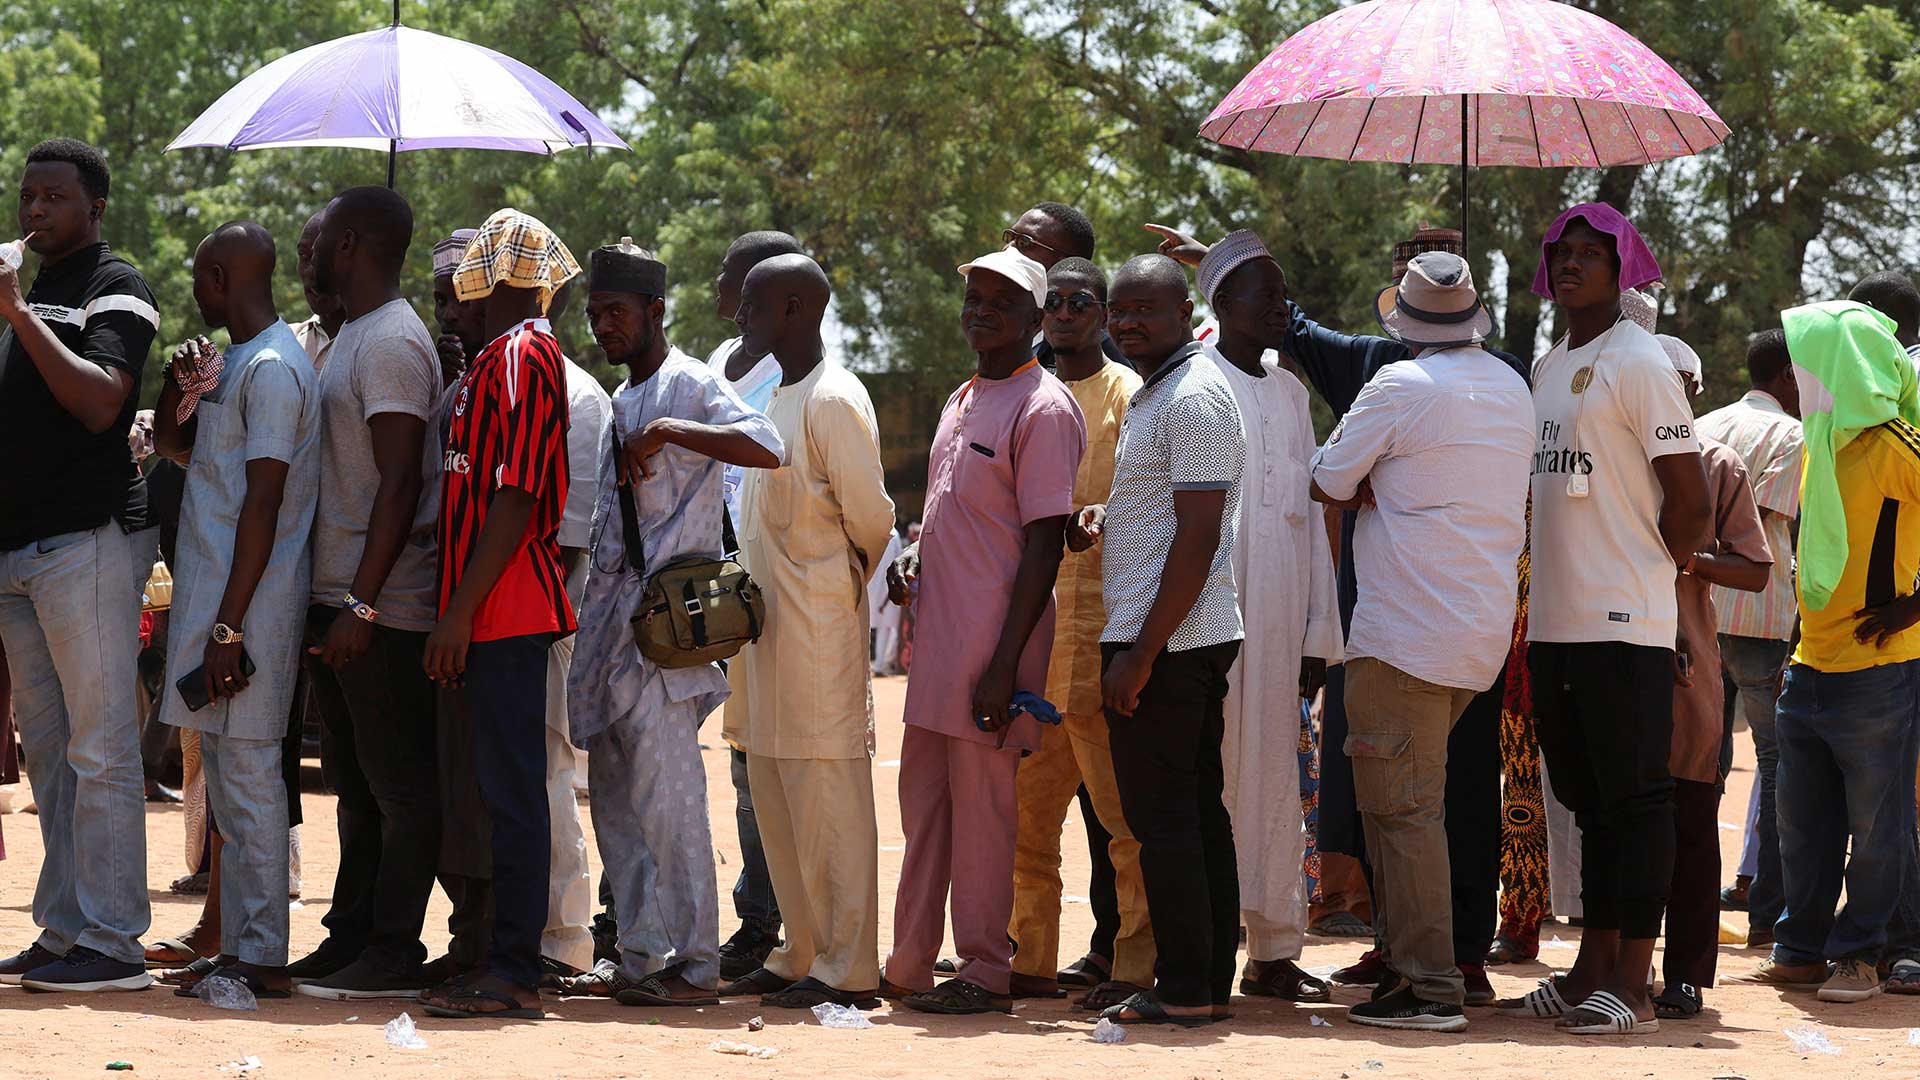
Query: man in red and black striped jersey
x=75, y=550
x=503, y=598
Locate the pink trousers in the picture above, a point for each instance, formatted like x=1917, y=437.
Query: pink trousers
x=958, y=811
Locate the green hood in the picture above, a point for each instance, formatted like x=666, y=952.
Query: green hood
x=1853, y=375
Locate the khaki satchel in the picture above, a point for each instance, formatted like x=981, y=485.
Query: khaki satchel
x=697, y=609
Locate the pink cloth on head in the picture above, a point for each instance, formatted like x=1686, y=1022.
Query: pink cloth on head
x=1637, y=265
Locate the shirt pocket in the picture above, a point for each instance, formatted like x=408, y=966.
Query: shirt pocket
x=983, y=477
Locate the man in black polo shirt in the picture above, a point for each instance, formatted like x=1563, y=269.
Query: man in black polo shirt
x=75, y=550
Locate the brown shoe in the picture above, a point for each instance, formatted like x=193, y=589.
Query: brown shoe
x=1785, y=976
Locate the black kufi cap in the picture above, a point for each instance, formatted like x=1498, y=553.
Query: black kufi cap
x=622, y=267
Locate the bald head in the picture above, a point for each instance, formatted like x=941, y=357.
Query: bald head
x=233, y=273
x=794, y=276
x=1153, y=271
x=746, y=252
x=781, y=305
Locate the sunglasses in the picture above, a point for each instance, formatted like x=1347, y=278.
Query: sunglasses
x=1023, y=243
x=1077, y=303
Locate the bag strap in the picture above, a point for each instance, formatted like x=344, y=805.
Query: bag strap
x=729, y=547
x=629, y=517
x=696, y=613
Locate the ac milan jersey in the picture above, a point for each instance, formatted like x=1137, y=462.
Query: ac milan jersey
x=508, y=428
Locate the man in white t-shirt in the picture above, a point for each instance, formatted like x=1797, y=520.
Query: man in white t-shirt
x=754, y=378
x=1619, y=502
x=1434, y=457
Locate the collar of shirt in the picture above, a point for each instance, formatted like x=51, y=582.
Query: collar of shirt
x=1763, y=401
x=1180, y=356
x=76, y=265
x=541, y=326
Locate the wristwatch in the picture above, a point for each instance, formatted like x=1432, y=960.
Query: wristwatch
x=225, y=635
x=361, y=610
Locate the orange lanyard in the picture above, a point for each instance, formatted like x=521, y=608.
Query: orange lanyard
x=961, y=405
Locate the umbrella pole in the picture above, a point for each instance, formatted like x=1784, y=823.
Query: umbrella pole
x=1464, y=246
x=393, y=154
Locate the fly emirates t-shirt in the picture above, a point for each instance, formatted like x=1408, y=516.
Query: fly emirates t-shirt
x=1604, y=411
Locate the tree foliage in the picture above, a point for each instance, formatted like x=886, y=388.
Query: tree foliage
x=897, y=140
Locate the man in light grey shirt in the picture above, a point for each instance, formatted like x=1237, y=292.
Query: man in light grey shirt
x=1434, y=455
x=373, y=602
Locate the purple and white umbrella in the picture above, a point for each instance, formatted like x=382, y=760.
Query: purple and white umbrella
x=397, y=89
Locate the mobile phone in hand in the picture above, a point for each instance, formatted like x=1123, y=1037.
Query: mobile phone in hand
x=193, y=685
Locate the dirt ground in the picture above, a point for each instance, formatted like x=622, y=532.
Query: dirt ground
x=1741, y=1035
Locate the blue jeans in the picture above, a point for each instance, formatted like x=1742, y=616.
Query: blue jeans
x=70, y=620
x=1848, y=741
x=753, y=899
x=1754, y=665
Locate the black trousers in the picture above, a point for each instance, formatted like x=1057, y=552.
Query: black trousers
x=1473, y=825
x=1604, y=712
x=1100, y=885
x=1166, y=762
x=1693, y=910
x=379, y=758
x=506, y=702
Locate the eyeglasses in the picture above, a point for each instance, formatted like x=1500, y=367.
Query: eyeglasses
x=1021, y=242
x=1077, y=303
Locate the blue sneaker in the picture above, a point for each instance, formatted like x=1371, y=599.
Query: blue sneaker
x=83, y=970
x=27, y=959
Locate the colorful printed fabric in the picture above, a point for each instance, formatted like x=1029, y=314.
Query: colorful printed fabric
x=1525, y=898
x=1309, y=757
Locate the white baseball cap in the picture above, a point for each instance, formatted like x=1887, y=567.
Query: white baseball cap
x=1015, y=267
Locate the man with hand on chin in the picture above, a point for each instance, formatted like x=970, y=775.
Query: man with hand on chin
x=250, y=421
x=999, y=492
x=1173, y=632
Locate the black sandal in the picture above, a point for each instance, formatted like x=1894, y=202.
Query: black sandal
x=513, y=1011
x=1682, y=1002
x=757, y=983
x=652, y=991
x=1106, y=996
x=948, y=966
x=1086, y=973
x=261, y=991
x=958, y=997
x=190, y=975
x=1148, y=1009
x=1283, y=979
x=810, y=991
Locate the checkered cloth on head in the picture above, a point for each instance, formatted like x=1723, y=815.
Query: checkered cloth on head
x=514, y=249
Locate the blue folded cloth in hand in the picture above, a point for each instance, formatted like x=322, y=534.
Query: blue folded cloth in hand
x=1026, y=701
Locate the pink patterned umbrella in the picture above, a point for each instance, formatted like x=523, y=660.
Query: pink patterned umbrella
x=1473, y=82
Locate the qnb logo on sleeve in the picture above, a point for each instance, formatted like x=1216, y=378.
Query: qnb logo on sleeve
x=1673, y=432
x=457, y=462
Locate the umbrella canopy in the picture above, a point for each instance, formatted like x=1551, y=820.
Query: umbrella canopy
x=1466, y=82
x=394, y=89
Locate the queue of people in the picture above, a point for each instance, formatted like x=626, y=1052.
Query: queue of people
x=1135, y=570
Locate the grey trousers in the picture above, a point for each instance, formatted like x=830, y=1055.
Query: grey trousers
x=650, y=822
x=248, y=795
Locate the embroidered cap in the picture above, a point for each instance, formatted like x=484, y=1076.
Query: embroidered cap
x=1239, y=247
